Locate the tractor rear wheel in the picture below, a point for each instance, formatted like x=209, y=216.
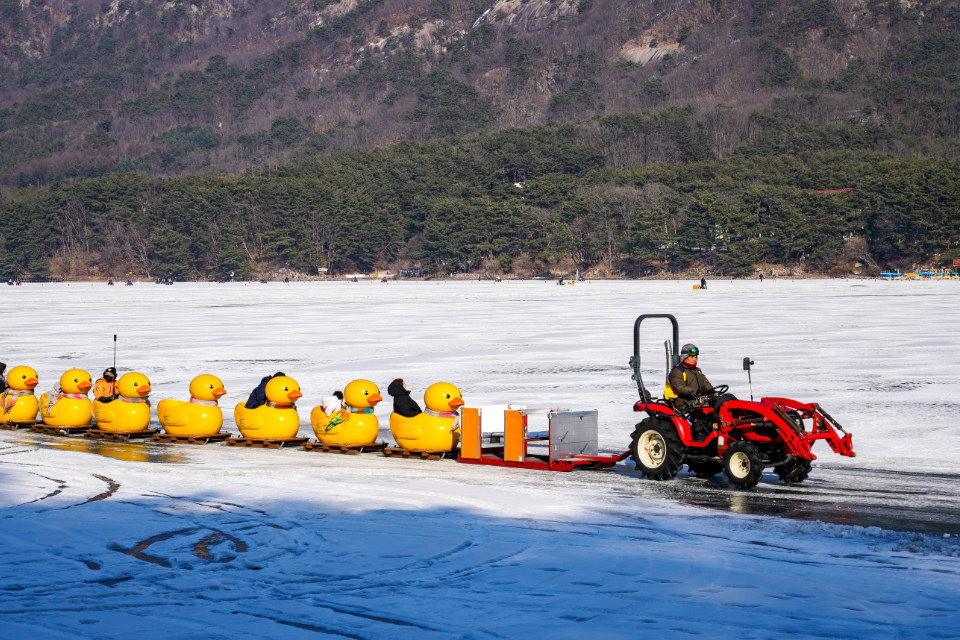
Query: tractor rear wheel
x=656, y=449
x=742, y=465
x=795, y=471
x=705, y=468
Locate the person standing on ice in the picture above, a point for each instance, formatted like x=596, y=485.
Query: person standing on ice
x=402, y=402
x=105, y=388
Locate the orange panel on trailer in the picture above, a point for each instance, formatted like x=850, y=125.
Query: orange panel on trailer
x=513, y=445
x=470, y=434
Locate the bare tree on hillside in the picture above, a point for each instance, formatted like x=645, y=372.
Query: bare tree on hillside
x=74, y=220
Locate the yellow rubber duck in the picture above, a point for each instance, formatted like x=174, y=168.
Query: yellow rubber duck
x=277, y=418
x=19, y=403
x=69, y=406
x=201, y=416
x=437, y=428
x=354, y=425
x=129, y=412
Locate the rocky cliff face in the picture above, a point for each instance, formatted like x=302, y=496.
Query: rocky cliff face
x=213, y=85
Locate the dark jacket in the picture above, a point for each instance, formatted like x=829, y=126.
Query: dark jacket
x=258, y=397
x=402, y=402
x=695, y=384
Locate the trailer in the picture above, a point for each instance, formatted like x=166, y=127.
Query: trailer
x=568, y=443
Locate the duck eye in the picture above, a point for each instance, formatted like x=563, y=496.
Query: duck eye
x=446, y=395
x=366, y=393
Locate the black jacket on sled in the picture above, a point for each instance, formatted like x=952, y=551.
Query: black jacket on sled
x=402, y=402
x=258, y=397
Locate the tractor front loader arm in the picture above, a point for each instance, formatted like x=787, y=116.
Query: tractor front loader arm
x=825, y=427
x=744, y=420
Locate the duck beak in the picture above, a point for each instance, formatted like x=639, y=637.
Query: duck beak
x=374, y=399
x=456, y=403
x=219, y=391
x=293, y=395
x=144, y=390
x=31, y=382
x=84, y=386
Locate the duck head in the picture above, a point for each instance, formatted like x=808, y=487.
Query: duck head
x=207, y=387
x=76, y=381
x=133, y=385
x=362, y=394
x=283, y=390
x=442, y=396
x=22, y=378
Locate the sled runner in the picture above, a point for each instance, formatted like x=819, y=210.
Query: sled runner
x=348, y=449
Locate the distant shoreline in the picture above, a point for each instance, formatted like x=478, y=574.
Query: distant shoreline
x=460, y=278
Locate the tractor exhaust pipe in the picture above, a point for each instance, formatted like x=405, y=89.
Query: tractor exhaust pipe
x=747, y=362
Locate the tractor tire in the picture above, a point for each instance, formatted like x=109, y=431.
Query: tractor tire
x=795, y=471
x=742, y=465
x=706, y=468
x=656, y=449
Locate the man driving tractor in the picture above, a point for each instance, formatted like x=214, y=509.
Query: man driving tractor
x=700, y=425
x=687, y=384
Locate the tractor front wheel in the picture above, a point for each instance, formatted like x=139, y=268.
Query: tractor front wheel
x=795, y=471
x=742, y=465
x=656, y=449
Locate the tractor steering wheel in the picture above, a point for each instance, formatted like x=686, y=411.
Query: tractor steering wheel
x=720, y=389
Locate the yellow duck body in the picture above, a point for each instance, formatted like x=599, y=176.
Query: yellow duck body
x=129, y=412
x=278, y=418
x=201, y=415
x=437, y=428
x=359, y=425
x=71, y=407
x=19, y=403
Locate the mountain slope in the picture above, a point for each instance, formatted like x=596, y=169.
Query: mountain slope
x=183, y=87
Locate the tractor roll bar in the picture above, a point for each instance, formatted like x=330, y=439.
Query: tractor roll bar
x=635, y=360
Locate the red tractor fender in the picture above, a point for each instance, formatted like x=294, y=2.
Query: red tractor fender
x=666, y=412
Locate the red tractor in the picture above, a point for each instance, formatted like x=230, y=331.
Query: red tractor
x=737, y=437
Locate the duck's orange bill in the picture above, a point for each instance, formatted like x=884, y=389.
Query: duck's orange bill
x=374, y=398
x=456, y=403
x=144, y=390
x=84, y=386
x=293, y=395
x=219, y=391
x=31, y=382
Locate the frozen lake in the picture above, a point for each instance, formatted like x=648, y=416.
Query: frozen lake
x=172, y=540
x=880, y=356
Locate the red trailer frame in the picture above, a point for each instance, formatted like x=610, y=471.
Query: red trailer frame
x=516, y=440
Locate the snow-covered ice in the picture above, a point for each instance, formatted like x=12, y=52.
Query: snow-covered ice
x=118, y=540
